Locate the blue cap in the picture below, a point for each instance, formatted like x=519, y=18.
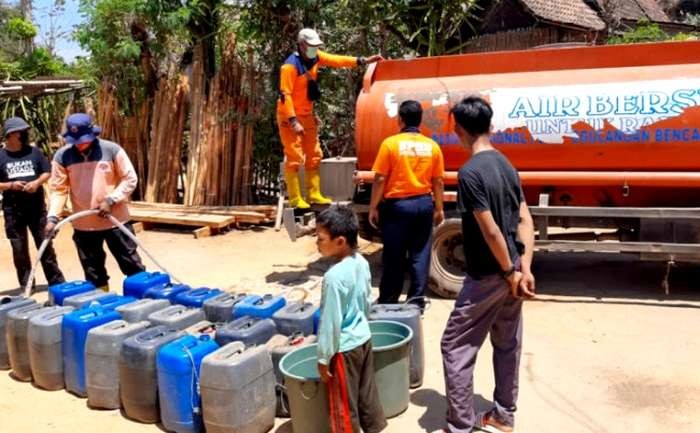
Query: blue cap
x=79, y=129
x=14, y=124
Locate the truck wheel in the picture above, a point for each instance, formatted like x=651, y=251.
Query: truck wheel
x=447, y=262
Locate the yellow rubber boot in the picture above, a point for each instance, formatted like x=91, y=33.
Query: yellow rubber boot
x=294, y=190
x=313, y=186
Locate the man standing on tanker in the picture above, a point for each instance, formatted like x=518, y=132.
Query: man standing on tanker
x=298, y=90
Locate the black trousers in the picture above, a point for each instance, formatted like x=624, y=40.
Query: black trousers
x=92, y=254
x=407, y=232
x=18, y=221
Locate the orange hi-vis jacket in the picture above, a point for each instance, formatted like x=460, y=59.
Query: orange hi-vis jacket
x=293, y=100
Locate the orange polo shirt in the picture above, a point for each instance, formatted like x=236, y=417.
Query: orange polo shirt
x=410, y=161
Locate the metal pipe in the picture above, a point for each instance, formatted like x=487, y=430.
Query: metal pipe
x=664, y=179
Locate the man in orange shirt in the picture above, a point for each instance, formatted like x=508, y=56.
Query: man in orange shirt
x=409, y=166
x=295, y=118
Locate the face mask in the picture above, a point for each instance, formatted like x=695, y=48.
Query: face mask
x=24, y=138
x=83, y=146
x=311, y=52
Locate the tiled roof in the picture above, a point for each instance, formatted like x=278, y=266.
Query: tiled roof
x=635, y=10
x=574, y=12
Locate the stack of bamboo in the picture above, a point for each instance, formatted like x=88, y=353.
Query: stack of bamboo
x=167, y=132
x=107, y=113
x=219, y=152
x=130, y=132
x=221, y=145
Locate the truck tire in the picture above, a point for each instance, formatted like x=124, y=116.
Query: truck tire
x=447, y=262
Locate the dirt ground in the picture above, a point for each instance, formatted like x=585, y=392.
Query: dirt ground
x=605, y=350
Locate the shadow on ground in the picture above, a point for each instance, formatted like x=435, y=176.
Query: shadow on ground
x=436, y=407
x=579, y=275
x=19, y=290
x=589, y=275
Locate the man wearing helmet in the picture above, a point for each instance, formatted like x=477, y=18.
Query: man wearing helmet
x=298, y=90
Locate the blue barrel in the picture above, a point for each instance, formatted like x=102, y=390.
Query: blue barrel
x=317, y=318
x=74, y=331
x=59, y=292
x=136, y=285
x=166, y=291
x=295, y=318
x=178, y=364
x=7, y=304
x=111, y=303
x=252, y=331
x=195, y=297
x=259, y=306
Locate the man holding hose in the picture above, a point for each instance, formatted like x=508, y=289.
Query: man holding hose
x=97, y=174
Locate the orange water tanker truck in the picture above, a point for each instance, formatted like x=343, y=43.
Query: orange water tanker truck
x=604, y=137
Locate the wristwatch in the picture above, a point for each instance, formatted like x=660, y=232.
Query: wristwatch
x=508, y=273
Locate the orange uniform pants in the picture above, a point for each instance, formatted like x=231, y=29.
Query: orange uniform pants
x=301, y=149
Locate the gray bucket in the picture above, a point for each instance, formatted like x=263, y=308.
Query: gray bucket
x=391, y=347
x=409, y=315
x=308, y=397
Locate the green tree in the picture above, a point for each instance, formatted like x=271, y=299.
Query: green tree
x=646, y=31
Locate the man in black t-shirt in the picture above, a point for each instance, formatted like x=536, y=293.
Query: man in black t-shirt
x=23, y=171
x=498, y=244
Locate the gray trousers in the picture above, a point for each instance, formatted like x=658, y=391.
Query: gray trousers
x=483, y=307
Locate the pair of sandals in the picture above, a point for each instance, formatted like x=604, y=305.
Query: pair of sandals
x=487, y=422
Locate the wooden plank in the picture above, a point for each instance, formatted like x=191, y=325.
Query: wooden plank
x=619, y=247
x=186, y=219
x=242, y=211
x=202, y=232
x=138, y=227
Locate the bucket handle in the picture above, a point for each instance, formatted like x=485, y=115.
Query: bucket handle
x=303, y=395
x=282, y=391
x=301, y=299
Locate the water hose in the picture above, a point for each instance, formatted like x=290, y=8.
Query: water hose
x=78, y=215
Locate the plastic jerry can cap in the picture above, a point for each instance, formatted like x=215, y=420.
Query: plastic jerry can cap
x=296, y=339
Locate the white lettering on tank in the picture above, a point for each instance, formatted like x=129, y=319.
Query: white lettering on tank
x=442, y=100
x=390, y=104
